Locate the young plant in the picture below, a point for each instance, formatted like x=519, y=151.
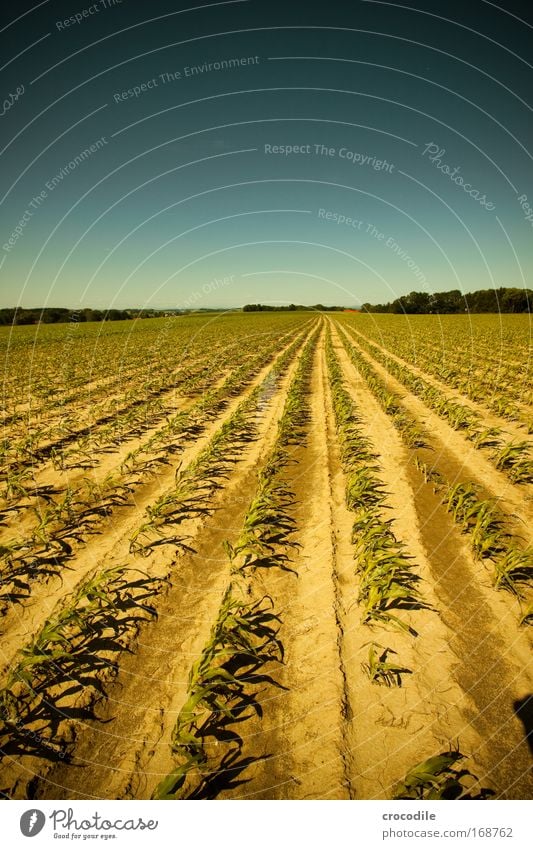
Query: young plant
x=380, y=670
x=435, y=778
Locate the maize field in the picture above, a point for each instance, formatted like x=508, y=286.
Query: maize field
x=267, y=556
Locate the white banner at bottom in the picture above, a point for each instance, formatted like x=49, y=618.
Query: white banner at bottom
x=268, y=824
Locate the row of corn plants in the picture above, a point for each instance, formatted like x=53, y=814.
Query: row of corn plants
x=61, y=673
x=223, y=690
x=492, y=543
x=438, y=777
x=224, y=684
x=464, y=358
x=200, y=479
x=485, y=524
x=79, y=510
x=387, y=582
x=74, y=443
x=264, y=537
x=511, y=457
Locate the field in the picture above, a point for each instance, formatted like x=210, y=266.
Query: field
x=267, y=556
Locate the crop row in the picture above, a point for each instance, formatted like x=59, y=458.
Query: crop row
x=60, y=523
x=479, y=518
x=413, y=435
x=381, y=557
x=62, y=672
x=513, y=457
x=472, y=369
x=66, y=666
x=71, y=442
x=387, y=581
x=222, y=687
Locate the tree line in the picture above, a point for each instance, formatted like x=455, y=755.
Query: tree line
x=57, y=315
x=290, y=308
x=502, y=300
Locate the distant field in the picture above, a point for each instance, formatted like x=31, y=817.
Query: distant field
x=271, y=555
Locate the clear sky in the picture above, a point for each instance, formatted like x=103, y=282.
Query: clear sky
x=212, y=154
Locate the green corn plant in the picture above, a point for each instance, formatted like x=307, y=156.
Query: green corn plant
x=380, y=670
x=485, y=528
x=383, y=594
x=429, y=474
x=96, y=591
x=513, y=457
x=435, y=778
x=58, y=458
x=363, y=488
x=51, y=644
x=512, y=566
x=18, y=484
x=489, y=437
x=505, y=408
x=43, y=532
x=413, y=435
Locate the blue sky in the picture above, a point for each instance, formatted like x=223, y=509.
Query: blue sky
x=298, y=171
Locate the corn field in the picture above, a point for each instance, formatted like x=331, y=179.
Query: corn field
x=267, y=556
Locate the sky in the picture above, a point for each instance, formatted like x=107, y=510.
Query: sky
x=219, y=153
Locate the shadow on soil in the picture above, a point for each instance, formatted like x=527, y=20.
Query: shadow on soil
x=523, y=708
x=60, y=683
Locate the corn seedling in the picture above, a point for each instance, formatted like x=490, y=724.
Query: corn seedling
x=437, y=777
x=380, y=670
